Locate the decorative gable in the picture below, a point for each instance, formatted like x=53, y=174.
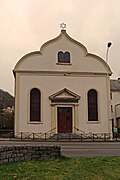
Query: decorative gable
x=64, y=95
x=65, y=51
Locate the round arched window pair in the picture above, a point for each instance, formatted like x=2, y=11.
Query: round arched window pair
x=63, y=57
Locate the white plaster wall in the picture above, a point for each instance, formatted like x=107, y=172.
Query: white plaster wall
x=117, y=111
x=86, y=71
x=49, y=85
x=115, y=98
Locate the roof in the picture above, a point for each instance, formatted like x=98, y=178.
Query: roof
x=115, y=85
x=45, y=59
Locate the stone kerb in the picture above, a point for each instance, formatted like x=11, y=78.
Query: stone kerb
x=19, y=153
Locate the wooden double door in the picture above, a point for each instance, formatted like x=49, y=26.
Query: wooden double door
x=64, y=118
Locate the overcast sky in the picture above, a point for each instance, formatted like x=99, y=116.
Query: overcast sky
x=26, y=24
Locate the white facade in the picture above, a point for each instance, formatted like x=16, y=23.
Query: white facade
x=62, y=85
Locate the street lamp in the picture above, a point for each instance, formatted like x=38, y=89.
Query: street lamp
x=108, y=46
x=108, y=81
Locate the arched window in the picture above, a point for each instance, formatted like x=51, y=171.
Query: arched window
x=60, y=56
x=92, y=105
x=35, y=105
x=63, y=57
x=67, y=57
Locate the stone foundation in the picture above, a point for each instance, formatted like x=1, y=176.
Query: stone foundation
x=20, y=153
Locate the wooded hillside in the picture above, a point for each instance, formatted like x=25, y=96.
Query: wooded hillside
x=6, y=100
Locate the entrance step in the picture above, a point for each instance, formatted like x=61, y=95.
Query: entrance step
x=65, y=136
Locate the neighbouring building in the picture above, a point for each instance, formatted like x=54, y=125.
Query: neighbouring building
x=62, y=87
x=115, y=102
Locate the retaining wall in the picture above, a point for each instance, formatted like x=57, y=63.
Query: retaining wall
x=19, y=153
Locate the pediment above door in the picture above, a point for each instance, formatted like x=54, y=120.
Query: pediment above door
x=64, y=95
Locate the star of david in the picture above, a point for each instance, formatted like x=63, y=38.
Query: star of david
x=63, y=26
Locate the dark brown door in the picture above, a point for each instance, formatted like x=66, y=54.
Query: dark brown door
x=64, y=115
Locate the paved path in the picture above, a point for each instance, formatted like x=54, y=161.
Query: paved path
x=91, y=149
x=77, y=149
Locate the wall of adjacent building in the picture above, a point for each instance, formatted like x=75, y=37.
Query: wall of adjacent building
x=115, y=109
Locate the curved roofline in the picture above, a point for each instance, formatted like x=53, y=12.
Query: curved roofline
x=63, y=32
x=25, y=56
x=102, y=60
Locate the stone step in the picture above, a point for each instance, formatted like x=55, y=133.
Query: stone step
x=61, y=136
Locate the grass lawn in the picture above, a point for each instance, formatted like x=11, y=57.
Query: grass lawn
x=97, y=168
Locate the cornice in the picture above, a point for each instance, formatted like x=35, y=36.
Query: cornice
x=61, y=73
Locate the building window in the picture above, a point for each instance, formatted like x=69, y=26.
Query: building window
x=92, y=105
x=35, y=105
x=60, y=56
x=63, y=57
x=111, y=108
x=111, y=95
x=67, y=57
